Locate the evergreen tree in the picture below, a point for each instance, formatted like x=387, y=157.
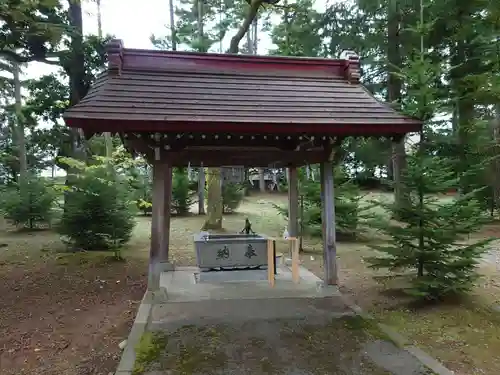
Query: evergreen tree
x=430, y=238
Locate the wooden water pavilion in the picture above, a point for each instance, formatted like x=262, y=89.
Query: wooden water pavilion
x=213, y=110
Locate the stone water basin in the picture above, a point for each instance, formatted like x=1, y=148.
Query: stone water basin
x=230, y=251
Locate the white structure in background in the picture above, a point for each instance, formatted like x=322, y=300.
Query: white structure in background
x=286, y=235
x=233, y=174
x=271, y=179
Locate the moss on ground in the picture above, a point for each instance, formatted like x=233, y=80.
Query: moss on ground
x=269, y=347
x=148, y=351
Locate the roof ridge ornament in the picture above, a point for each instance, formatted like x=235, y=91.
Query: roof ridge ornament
x=114, y=49
x=352, y=66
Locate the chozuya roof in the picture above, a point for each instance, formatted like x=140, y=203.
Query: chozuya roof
x=149, y=90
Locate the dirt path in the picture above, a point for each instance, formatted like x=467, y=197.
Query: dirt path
x=66, y=316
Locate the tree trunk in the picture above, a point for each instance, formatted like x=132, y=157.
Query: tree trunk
x=214, y=205
x=249, y=43
x=245, y=26
x=262, y=180
x=394, y=87
x=200, y=12
x=76, y=73
x=214, y=198
x=201, y=191
x=399, y=166
x=173, y=32
x=19, y=125
x=108, y=139
x=76, y=68
x=496, y=162
x=390, y=169
x=99, y=19
x=254, y=38
x=464, y=109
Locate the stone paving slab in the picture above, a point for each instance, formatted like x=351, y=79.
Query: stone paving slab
x=319, y=344
x=388, y=356
x=230, y=325
x=167, y=315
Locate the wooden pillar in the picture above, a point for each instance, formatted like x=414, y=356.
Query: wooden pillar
x=167, y=206
x=293, y=202
x=201, y=191
x=160, y=222
x=328, y=227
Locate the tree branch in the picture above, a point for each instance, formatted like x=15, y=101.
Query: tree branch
x=13, y=56
x=252, y=13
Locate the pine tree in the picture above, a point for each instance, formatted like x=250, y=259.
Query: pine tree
x=429, y=243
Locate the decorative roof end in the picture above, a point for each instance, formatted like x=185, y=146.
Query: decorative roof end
x=114, y=49
x=352, y=66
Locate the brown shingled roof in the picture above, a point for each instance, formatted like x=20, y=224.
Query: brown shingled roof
x=172, y=91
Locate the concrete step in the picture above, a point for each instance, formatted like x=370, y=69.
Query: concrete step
x=174, y=315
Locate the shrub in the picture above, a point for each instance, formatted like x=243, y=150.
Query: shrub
x=140, y=183
x=98, y=211
x=181, y=192
x=232, y=196
x=429, y=244
x=145, y=206
x=29, y=203
x=347, y=207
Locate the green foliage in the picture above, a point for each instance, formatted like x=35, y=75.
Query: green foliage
x=348, y=210
x=232, y=196
x=298, y=33
x=98, y=212
x=430, y=245
x=140, y=183
x=218, y=18
x=145, y=206
x=137, y=174
x=28, y=203
x=181, y=193
x=33, y=28
x=347, y=207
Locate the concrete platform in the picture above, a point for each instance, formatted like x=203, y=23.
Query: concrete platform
x=234, y=322
x=186, y=284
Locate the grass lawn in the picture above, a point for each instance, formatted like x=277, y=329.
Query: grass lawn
x=464, y=335
x=66, y=313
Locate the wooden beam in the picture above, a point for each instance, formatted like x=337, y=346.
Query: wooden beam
x=240, y=156
x=215, y=156
x=328, y=220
